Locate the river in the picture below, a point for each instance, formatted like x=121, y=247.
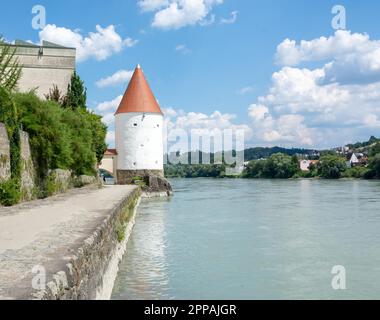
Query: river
x=255, y=239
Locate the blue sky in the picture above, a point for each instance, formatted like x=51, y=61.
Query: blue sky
x=217, y=64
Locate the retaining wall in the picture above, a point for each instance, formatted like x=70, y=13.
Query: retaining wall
x=92, y=269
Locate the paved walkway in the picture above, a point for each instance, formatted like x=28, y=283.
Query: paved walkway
x=47, y=232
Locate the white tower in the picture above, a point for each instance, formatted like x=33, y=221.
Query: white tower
x=138, y=132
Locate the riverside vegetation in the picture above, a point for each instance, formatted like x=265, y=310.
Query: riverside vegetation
x=285, y=164
x=63, y=133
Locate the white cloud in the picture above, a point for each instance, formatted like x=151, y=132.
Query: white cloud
x=109, y=105
x=119, y=77
x=286, y=129
x=170, y=112
x=107, y=110
x=110, y=138
x=258, y=112
x=98, y=45
x=176, y=14
x=245, y=90
x=152, y=5
x=299, y=90
x=351, y=57
x=108, y=119
x=231, y=20
x=182, y=48
x=335, y=103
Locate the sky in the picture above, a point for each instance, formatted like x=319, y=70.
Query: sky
x=279, y=70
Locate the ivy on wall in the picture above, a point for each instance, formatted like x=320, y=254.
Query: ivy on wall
x=10, y=191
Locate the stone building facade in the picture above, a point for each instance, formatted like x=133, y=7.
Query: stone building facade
x=44, y=66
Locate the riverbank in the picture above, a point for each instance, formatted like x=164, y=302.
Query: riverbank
x=67, y=246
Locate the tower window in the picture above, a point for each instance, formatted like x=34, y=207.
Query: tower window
x=135, y=124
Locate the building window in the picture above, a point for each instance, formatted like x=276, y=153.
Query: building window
x=158, y=126
x=135, y=124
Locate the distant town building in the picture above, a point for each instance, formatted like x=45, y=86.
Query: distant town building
x=356, y=159
x=109, y=161
x=44, y=66
x=342, y=150
x=305, y=164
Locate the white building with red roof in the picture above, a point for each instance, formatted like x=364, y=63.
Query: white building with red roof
x=138, y=132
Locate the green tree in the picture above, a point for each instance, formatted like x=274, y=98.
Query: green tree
x=277, y=166
x=331, y=166
x=280, y=166
x=374, y=150
x=99, y=133
x=254, y=169
x=76, y=93
x=56, y=95
x=49, y=135
x=375, y=165
x=10, y=192
x=10, y=70
x=81, y=142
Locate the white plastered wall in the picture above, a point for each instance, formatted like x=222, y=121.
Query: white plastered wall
x=139, y=141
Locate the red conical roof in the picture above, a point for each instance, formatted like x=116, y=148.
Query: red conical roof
x=138, y=97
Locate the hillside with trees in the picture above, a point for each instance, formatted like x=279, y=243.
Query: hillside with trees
x=283, y=163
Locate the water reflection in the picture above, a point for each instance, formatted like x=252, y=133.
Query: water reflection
x=143, y=272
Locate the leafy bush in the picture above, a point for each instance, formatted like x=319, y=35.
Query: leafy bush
x=375, y=166
x=277, y=166
x=356, y=172
x=331, y=166
x=61, y=138
x=195, y=170
x=10, y=192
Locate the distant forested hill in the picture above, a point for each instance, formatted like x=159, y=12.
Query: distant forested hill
x=263, y=152
x=249, y=154
x=372, y=141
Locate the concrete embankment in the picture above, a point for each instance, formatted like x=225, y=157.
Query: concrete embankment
x=67, y=246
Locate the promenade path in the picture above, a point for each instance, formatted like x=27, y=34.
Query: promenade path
x=45, y=233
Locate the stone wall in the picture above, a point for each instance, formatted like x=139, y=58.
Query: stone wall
x=5, y=161
x=126, y=176
x=60, y=180
x=88, y=271
x=28, y=172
